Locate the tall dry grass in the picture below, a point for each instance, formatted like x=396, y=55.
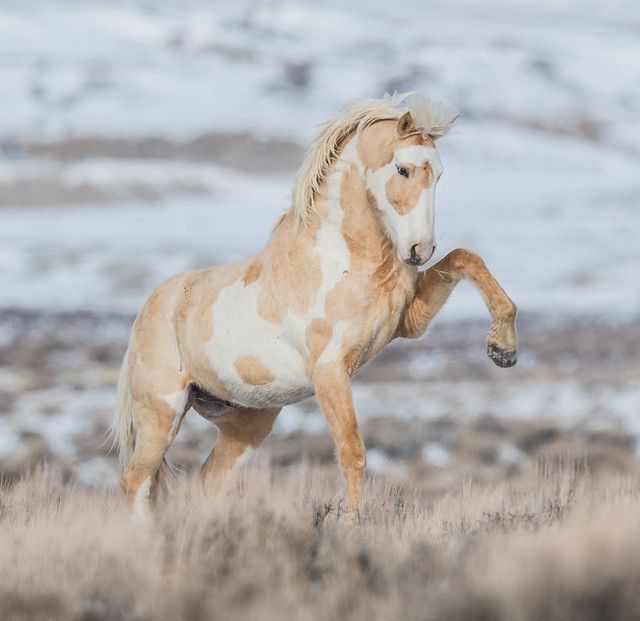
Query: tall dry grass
x=554, y=544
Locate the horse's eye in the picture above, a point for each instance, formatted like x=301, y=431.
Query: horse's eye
x=403, y=171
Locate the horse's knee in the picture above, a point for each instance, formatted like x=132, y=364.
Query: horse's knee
x=462, y=259
x=359, y=461
x=353, y=457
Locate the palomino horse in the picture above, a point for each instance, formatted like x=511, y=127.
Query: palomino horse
x=337, y=281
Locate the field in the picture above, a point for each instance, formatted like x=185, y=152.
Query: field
x=554, y=543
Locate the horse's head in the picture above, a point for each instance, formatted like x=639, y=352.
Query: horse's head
x=402, y=168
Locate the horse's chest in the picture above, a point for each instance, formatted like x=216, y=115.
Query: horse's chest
x=378, y=326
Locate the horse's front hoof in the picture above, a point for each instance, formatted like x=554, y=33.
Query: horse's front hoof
x=353, y=517
x=501, y=357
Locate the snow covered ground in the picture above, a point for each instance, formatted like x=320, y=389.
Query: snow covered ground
x=139, y=138
x=541, y=174
x=437, y=401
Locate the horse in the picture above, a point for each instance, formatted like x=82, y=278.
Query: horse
x=337, y=281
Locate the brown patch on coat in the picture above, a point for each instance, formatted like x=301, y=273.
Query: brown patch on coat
x=376, y=144
x=293, y=277
x=318, y=335
x=373, y=257
x=253, y=273
x=154, y=360
x=239, y=430
x=194, y=325
x=252, y=371
x=347, y=298
x=360, y=224
x=376, y=287
x=403, y=193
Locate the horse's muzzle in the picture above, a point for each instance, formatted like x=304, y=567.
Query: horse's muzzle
x=419, y=255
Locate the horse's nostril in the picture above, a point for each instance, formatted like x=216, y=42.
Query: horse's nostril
x=414, y=252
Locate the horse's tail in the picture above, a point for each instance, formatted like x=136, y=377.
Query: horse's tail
x=124, y=424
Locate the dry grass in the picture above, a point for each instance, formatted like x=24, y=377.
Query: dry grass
x=553, y=544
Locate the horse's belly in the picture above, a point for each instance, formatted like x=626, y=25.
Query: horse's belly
x=265, y=381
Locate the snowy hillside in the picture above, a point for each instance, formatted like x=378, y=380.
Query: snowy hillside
x=541, y=174
x=138, y=139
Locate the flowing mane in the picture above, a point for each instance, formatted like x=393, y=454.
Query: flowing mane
x=431, y=118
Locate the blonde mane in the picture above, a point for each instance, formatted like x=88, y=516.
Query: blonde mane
x=430, y=117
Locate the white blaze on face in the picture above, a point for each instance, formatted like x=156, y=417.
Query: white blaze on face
x=415, y=226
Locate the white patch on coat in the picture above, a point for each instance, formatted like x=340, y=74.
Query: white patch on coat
x=244, y=458
x=239, y=330
x=417, y=154
x=141, y=504
x=177, y=401
x=334, y=347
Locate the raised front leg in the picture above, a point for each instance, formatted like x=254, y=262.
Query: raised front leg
x=436, y=284
x=333, y=391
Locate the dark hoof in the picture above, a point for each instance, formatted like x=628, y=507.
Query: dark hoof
x=501, y=357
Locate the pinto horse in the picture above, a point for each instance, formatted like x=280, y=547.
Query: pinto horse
x=337, y=281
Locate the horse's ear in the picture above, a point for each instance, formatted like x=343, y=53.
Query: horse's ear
x=406, y=125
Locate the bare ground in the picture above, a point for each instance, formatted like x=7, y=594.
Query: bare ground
x=434, y=409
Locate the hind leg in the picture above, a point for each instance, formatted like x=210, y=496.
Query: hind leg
x=158, y=419
x=159, y=393
x=240, y=432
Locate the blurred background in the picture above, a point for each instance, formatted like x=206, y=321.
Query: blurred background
x=139, y=139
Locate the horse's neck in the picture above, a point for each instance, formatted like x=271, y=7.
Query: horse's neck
x=345, y=228
x=346, y=208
